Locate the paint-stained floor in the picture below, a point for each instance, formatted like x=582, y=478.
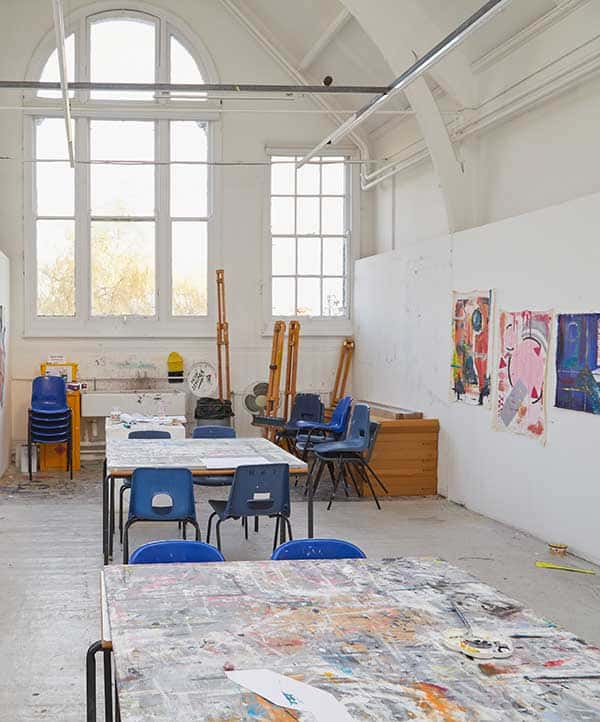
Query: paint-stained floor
x=50, y=560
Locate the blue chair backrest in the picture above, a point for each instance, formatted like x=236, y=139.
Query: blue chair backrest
x=360, y=425
x=213, y=432
x=318, y=549
x=259, y=490
x=149, y=434
x=307, y=407
x=373, y=432
x=48, y=392
x=175, y=551
x=341, y=415
x=146, y=484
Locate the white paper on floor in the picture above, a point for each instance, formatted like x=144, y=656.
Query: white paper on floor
x=287, y=692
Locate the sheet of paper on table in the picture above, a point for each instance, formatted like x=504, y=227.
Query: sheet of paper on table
x=232, y=462
x=287, y=692
x=160, y=420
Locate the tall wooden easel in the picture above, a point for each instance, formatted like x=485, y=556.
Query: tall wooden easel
x=343, y=371
x=223, y=368
x=291, y=371
x=274, y=387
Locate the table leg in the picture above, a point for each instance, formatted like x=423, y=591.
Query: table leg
x=111, y=517
x=310, y=506
x=105, y=514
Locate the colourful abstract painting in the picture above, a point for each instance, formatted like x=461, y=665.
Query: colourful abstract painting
x=524, y=339
x=578, y=362
x=471, y=319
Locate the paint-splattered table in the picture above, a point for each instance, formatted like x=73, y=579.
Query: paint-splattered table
x=369, y=632
x=204, y=457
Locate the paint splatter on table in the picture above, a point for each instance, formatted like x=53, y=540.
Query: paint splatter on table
x=369, y=632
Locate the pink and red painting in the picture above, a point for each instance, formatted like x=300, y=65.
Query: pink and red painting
x=471, y=331
x=520, y=398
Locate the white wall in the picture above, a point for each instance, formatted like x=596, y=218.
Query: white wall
x=541, y=260
x=242, y=191
x=5, y=408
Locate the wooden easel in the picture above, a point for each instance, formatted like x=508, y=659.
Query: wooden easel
x=274, y=387
x=343, y=371
x=291, y=371
x=223, y=368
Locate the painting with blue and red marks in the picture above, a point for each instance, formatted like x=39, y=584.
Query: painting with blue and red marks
x=522, y=364
x=578, y=362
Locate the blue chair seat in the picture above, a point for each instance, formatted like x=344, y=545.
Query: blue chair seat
x=349, y=446
x=49, y=410
x=175, y=551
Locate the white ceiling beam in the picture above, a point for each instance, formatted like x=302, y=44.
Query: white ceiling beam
x=59, y=28
x=323, y=41
x=257, y=29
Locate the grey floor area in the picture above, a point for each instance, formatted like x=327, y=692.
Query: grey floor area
x=50, y=562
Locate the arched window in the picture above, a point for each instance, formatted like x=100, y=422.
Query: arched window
x=122, y=243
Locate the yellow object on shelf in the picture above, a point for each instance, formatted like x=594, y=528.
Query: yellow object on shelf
x=175, y=361
x=68, y=371
x=53, y=457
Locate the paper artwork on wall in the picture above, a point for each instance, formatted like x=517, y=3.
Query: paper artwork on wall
x=3, y=360
x=578, y=362
x=471, y=333
x=524, y=337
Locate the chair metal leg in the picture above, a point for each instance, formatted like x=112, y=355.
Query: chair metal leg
x=122, y=491
x=365, y=476
x=319, y=473
x=108, y=701
x=70, y=456
x=277, y=522
x=218, y=531
x=183, y=532
x=256, y=524
x=246, y=527
x=128, y=523
x=210, y=518
x=377, y=479
x=29, y=445
x=196, y=526
x=335, y=488
x=350, y=469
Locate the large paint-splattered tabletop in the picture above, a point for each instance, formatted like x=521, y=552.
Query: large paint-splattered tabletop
x=369, y=632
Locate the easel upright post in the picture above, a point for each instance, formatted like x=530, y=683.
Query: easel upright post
x=291, y=372
x=223, y=366
x=274, y=388
x=343, y=371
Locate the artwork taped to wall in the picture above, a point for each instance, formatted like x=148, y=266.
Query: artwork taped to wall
x=3, y=360
x=471, y=332
x=578, y=362
x=524, y=337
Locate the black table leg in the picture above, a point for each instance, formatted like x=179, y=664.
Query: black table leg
x=90, y=681
x=111, y=517
x=105, y=515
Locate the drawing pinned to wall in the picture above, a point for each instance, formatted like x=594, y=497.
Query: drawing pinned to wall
x=3, y=361
x=578, y=362
x=471, y=332
x=520, y=404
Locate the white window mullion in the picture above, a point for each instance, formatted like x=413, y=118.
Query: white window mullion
x=163, y=224
x=83, y=273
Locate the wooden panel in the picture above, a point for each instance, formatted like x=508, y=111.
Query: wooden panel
x=406, y=455
x=53, y=457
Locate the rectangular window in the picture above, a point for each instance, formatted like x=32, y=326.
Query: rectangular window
x=309, y=237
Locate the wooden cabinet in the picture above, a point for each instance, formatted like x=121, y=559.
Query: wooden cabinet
x=406, y=455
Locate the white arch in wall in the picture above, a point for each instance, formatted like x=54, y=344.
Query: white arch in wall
x=170, y=22
x=398, y=29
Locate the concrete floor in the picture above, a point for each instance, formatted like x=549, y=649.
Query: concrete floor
x=50, y=559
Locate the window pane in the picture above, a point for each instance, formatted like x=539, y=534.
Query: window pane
x=282, y=177
x=308, y=180
x=122, y=51
x=334, y=178
x=333, y=256
x=189, y=183
x=184, y=68
x=284, y=257
x=282, y=216
x=309, y=256
x=121, y=140
x=283, y=297
x=189, y=267
x=333, y=216
x=122, y=264
x=122, y=190
x=51, y=139
x=55, y=189
x=333, y=297
x=308, y=215
x=51, y=72
x=55, y=246
x=309, y=297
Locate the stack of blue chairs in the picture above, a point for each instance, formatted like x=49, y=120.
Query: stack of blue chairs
x=49, y=417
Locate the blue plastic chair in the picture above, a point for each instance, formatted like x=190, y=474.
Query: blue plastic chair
x=175, y=551
x=353, y=454
x=311, y=433
x=318, y=549
x=258, y=490
x=140, y=434
x=49, y=417
x=146, y=484
x=307, y=408
x=213, y=432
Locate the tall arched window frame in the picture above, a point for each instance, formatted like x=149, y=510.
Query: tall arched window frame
x=126, y=243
